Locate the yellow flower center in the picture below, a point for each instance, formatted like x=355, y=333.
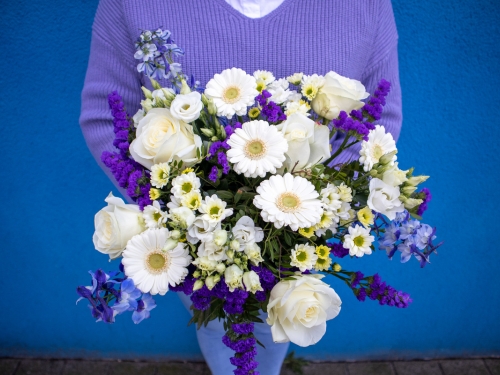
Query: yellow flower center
x=310, y=312
x=231, y=94
x=214, y=211
x=359, y=241
x=301, y=256
x=255, y=149
x=187, y=187
x=254, y=112
x=157, y=262
x=288, y=202
x=377, y=152
x=156, y=216
x=185, y=107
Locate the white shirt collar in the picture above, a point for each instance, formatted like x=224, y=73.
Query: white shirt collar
x=255, y=8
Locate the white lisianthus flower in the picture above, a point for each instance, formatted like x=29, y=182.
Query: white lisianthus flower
x=252, y=282
x=233, y=276
x=205, y=264
x=394, y=176
x=161, y=138
x=295, y=78
x=311, y=85
x=304, y=257
x=214, y=209
x=154, y=217
x=378, y=144
x=201, y=230
x=279, y=91
x=288, y=200
x=184, y=184
x=232, y=91
x=298, y=309
x=245, y=232
x=308, y=142
x=384, y=198
x=139, y=115
x=187, y=107
x=252, y=251
x=181, y=217
x=151, y=268
x=220, y=237
x=115, y=224
x=358, y=241
x=256, y=149
x=211, y=250
x=264, y=75
x=337, y=94
x=300, y=106
x=160, y=173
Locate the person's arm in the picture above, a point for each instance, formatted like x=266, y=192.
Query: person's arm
x=111, y=67
x=383, y=63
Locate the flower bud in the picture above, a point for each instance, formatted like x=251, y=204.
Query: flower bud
x=216, y=278
x=252, y=282
x=147, y=93
x=209, y=282
x=208, y=132
x=196, y=274
x=220, y=237
x=170, y=244
x=220, y=268
x=146, y=104
x=198, y=285
x=410, y=203
x=155, y=84
x=230, y=254
x=235, y=245
x=185, y=88
x=373, y=173
x=416, y=180
x=387, y=158
x=336, y=267
x=408, y=190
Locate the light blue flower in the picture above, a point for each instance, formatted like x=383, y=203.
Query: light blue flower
x=406, y=249
x=128, y=297
x=408, y=228
x=144, y=306
x=146, y=52
x=424, y=236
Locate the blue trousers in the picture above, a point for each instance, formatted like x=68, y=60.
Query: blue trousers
x=217, y=354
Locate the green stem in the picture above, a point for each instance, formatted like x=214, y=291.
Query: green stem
x=340, y=149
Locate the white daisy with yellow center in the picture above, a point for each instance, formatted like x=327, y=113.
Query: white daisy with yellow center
x=378, y=144
x=366, y=217
x=304, y=257
x=358, y=241
x=232, y=91
x=160, y=173
x=192, y=200
x=154, y=217
x=288, y=200
x=152, y=268
x=256, y=149
x=185, y=184
x=264, y=76
x=213, y=209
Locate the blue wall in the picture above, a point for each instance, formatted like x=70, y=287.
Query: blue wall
x=51, y=188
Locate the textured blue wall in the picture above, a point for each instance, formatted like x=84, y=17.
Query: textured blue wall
x=51, y=188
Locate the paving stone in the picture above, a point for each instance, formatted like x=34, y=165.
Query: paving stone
x=40, y=367
x=418, y=368
x=131, y=368
x=73, y=367
x=8, y=366
x=182, y=369
x=370, y=368
x=493, y=365
x=325, y=369
x=464, y=367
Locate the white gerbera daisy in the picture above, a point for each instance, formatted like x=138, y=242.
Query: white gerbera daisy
x=154, y=217
x=264, y=75
x=304, y=257
x=214, y=209
x=185, y=184
x=288, y=200
x=160, y=173
x=232, y=92
x=257, y=148
x=152, y=268
x=379, y=143
x=358, y=241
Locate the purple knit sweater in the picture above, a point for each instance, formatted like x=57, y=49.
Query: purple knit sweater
x=357, y=39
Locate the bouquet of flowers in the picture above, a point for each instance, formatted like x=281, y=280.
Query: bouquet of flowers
x=241, y=205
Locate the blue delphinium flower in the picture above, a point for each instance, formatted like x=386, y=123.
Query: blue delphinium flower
x=424, y=236
x=144, y=306
x=127, y=300
x=408, y=228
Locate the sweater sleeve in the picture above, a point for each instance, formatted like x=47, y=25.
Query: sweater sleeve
x=111, y=67
x=383, y=63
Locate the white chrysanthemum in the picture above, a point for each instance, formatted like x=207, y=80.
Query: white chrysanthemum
x=214, y=209
x=264, y=75
x=152, y=268
x=345, y=192
x=160, y=173
x=323, y=264
x=358, y=241
x=295, y=78
x=379, y=143
x=329, y=221
x=300, y=106
x=331, y=198
x=311, y=85
x=256, y=149
x=304, y=257
x=192, y=200
x=279, y=91
x=288, y=200
x=154, y=217
x=184, y=184
x=232, y=92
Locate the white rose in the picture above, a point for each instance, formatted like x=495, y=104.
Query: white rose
x=384, y=198
x=161, y=138
x=115, y=225
x=308, y=142
x=298, y=309
x=246, y=232
x=252, y=282
x=252, y=251
x=338, y=94
x=233, y=276
x=394, y=176
x=187, y=107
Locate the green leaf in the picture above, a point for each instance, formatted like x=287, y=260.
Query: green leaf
x=224, y=195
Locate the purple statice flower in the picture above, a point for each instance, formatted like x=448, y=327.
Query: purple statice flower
x=240, y=338
x=185, y=287
x=222, y=159
x=144, y=306
x=243, y=328
x=360, y=294
x=214, y=172
x=356, y=278
x=262, y=98
x=234, y=301
x=352, y=126
x=267, y=278
x=201, y=298
x=273, y=112
x=375, y=105
x=387, y=295
x=423, y=206
x=338, y=250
